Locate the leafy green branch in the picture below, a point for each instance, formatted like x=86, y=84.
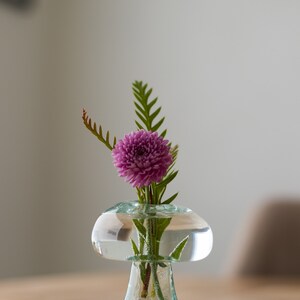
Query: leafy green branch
x=170, y=176
x=98, y=132
x=148, y=120
x=144, y=106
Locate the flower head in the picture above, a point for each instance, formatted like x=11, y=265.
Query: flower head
x=142, y=157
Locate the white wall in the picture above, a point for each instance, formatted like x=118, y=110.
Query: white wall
x=226, y=73
x=23, y=166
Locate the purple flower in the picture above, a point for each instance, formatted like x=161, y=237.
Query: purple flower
x=142, y=157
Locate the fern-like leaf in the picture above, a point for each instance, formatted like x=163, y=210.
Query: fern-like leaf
x=174, y=153
x=98, y=133
x=147, y=118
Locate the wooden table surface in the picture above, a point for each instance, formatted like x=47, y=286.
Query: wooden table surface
x=112, y=286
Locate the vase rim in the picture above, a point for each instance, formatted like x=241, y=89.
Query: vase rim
x=161, y=259
x=135, y=208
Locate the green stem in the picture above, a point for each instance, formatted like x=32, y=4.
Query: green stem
x=154, y=193
x=153, y=252
x=146, y=283
x=156, y=281
x=152, y=246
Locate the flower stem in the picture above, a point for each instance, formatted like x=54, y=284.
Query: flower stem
x=152, y=247
x=156, y=281
x=146, y=283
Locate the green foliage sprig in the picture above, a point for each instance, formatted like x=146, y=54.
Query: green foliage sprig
x=147, y=119
x=98, y=132
x=144, y=108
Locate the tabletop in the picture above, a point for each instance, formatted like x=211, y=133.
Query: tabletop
x=112, y=286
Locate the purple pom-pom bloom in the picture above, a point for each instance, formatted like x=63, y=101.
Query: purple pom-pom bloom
x=142, y=157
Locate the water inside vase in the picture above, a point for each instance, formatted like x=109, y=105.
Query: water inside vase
x=114, y=229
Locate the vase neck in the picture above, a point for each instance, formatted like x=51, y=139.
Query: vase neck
x=151, y=280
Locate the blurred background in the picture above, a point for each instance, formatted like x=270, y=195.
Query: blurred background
x=226, y=74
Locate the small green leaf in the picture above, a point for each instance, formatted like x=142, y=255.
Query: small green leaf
x=176, y=253
x=143, y=271
x=107, y=136
x=163, y=134
x=158, y=124
x=168, y=179
x=148, y=94
x=139, y=125
x=139, y=108
x=138, y=97
x=134, y=247
x=171, y=199
x=143, y=87
x=135, y=90
x=153, y=115
x=152, y=103
x=161, y=192
x=140, y=195
x=162, y=225
x=174, y=150
x=142, y=118
x=140, y=227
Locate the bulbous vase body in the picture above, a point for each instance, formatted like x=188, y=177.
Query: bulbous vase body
x=151, y=237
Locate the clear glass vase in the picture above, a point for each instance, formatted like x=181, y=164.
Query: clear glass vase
x=151, y=237
x=158, y=286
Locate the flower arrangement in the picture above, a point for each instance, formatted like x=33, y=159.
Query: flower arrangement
x=146, y=160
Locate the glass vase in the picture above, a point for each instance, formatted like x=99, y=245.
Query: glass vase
x=159, y=285
x=152, y=237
